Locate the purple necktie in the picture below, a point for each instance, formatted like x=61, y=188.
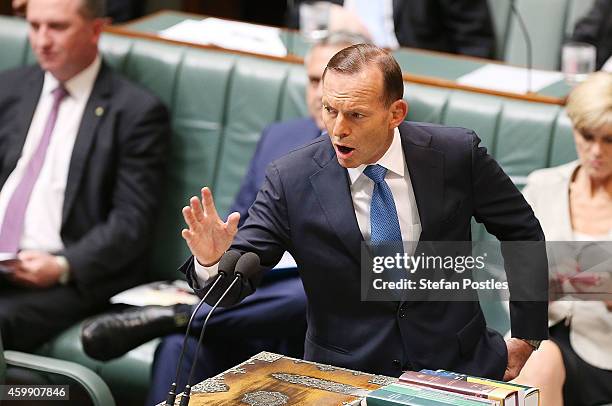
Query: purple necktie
x=14, y=217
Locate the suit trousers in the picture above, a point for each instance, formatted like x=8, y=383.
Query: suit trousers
x=30, y=317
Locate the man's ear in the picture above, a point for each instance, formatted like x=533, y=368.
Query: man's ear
x=398, y=111
x=98, y=27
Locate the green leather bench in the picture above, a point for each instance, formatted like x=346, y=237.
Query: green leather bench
x=220, y=102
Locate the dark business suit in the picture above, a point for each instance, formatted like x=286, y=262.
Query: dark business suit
x=305, y=207
x=273, y=318
x=596, y=28
x=110, y=203
x=455, y=26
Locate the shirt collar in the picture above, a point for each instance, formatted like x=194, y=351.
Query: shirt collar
x=80, y=85
x=393, y=159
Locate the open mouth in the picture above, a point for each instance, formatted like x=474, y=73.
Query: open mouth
x=345, y=150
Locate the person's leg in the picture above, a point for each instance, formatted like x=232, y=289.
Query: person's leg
x=29, y=317
x=276, y=310
x=163, y=369
x=545, y=370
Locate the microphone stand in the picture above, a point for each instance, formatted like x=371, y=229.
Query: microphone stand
x=172, y=392
x=187, y=391
x=527, y=43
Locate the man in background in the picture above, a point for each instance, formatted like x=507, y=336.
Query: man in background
x=456, y=26
x=595, y=28
x=81, y=154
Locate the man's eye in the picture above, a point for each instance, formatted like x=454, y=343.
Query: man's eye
x=356, y=115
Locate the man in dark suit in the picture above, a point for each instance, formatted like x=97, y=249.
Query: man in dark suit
x=595, y=28
x=456, y=26
x=379, y=179
x=81, y=154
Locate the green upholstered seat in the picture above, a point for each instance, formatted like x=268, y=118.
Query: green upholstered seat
x=29, y=369
x=13, y=42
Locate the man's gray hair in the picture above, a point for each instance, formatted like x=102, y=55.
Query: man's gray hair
x=93, y=8
x=339, y=39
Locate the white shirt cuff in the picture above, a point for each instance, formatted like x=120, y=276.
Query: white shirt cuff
x=203, y=273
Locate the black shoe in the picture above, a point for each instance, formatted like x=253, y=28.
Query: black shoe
x=112, y=335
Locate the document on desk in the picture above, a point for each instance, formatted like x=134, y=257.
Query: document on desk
x=226, y=34
x=509, y=78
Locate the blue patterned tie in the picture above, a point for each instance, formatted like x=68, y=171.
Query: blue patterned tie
x=383, y=216
x=386, y=235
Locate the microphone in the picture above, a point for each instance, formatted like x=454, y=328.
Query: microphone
x=227, y=264
x=247, y=266
x=516, y=12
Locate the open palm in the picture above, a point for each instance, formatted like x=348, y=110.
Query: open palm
x=208, y=237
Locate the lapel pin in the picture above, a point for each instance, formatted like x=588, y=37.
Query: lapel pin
x=99, y=111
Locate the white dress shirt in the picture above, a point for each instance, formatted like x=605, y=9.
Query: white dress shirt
x=362, y=187
x=43, y=217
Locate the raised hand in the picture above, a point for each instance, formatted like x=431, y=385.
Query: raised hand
x=208, y=237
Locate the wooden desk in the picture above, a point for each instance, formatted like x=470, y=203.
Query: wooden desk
x=418, y=66
x=272, y=379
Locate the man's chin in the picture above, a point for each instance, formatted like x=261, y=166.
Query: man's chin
x=347, y=163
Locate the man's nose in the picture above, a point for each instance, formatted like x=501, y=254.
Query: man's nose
x=341, y=127
x=43, y=39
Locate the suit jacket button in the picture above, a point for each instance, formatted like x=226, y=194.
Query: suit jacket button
x=397, y=363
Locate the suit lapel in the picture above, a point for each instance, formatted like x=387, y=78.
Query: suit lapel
x=94, y=113
x=331, y=186
x=426, y=168
x=27, y=105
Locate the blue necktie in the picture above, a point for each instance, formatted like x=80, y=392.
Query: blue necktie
x=386, y=236
x=383, y=216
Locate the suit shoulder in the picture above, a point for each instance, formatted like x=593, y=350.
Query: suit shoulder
x=291, y=125
x=17, y=77
x=438, y=136
x=304, y=154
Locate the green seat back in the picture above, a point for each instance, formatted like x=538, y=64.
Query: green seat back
x=425, y=103
x=478, y=112
x=524, y=138
x=563, y=149
x=253, y=102
x=14, y=43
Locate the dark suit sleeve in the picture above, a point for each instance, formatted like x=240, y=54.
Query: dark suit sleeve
x=594, y=28
x=506, y=214
x=588, y=28
x=143, y=135
x=469, y=27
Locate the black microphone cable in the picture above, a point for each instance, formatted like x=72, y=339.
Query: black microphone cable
x=246, y=266
x=226, y=265
x=527, y=43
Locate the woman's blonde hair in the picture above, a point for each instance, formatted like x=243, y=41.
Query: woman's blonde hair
x=589, y=105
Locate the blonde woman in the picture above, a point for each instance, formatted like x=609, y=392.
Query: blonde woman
x=574, y=202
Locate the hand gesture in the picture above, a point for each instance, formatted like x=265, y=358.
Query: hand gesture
x=208, y=237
